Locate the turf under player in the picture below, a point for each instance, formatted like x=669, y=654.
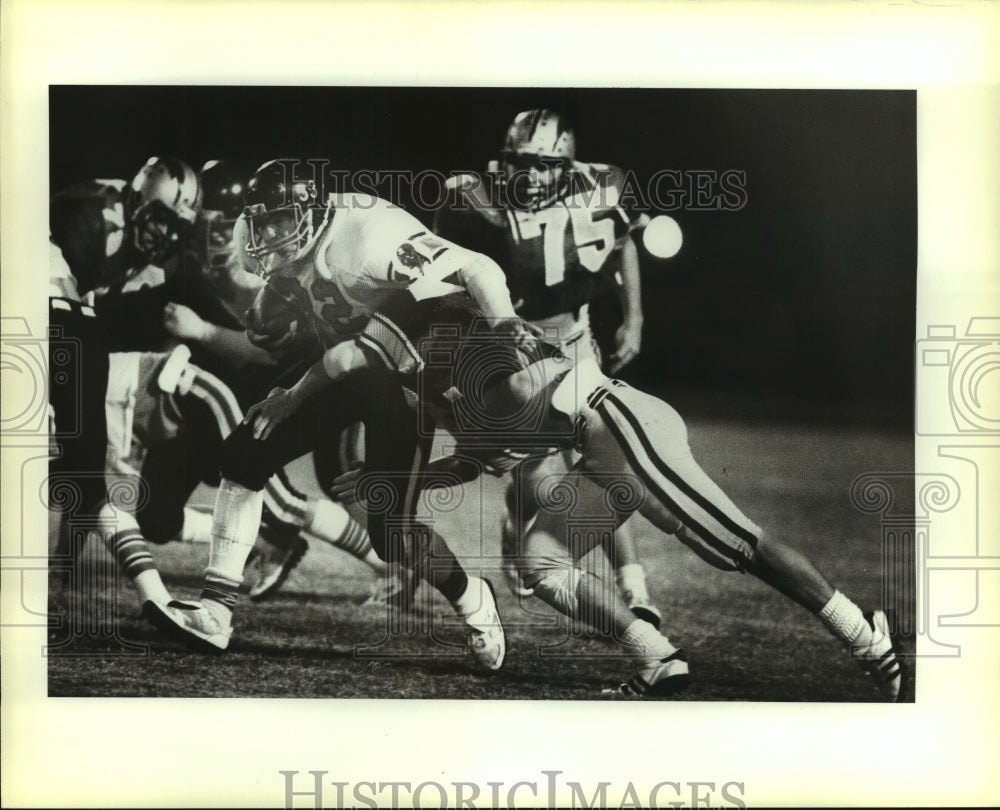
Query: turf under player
x=558, y=229
x=335, y=263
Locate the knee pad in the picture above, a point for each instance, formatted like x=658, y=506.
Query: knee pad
x=555, y=582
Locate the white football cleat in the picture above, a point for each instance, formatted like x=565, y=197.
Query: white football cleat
x=486, y=637
x=657, y=678
x=878, y=657
x=190, y=622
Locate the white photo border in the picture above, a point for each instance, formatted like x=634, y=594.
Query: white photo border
x=104, y=752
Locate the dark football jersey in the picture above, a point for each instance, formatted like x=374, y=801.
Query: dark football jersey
x=556, y=258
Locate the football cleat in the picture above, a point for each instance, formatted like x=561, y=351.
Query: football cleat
x=277, y=555
x=394, y=590
x=658, y=678
x=190, y=622
x=509, y=564
x=643, y=609
x=878, y=657
x=486, y=638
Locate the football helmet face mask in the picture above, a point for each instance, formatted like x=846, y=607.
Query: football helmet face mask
x=163, y=200
x=537, y=154
x=279, y=217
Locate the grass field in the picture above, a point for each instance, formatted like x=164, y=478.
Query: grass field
x=744, y=641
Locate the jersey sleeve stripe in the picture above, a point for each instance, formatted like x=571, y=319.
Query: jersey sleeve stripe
x=395, y=349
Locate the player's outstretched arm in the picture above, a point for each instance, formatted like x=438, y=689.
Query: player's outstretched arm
x=231, y=345
x=487, y=285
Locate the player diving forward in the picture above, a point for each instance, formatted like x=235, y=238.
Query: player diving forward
x=335, y=264
x=558, y=229
x=634, y=457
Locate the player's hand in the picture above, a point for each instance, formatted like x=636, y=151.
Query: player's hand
x=184, y=323
x=265, y=416
x=525, y=337
x=628, y=342
x=344, y=487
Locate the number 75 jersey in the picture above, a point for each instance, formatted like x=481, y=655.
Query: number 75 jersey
x=557, y=257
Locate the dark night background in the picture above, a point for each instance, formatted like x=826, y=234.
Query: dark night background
x=799, y=306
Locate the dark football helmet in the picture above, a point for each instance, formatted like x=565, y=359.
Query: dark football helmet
x=223, y=184
x=162, y=201
x=280, y=216
x=537, y=154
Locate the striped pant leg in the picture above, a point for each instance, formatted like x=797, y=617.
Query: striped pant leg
x=680, y=498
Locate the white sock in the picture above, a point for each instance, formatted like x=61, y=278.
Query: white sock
x=644, y=643
x=125, y=542
x=197, y=526
x=377, y=565
x=325, y=518
x=235, y=523
x=332, y=523
x=632, y=579
x=475, y=603
x=151, y=587
x=844, y=619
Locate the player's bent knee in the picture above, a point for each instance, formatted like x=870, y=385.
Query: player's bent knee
x=554, y=581
x=158, y=527
x=244, y=459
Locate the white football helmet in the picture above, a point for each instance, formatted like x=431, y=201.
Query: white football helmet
x=163, y=199
x=537, y=154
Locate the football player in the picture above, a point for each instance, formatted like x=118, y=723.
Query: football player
x=633, y=457
x=101, y=232
x=558, y=229
x=206, y=303
x=335, y=263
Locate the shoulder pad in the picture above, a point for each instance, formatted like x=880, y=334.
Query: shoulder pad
x=468, y=194
x=599, y=173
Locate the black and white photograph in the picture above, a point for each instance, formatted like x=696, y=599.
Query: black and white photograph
x=590, y=403
x=480, y=407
